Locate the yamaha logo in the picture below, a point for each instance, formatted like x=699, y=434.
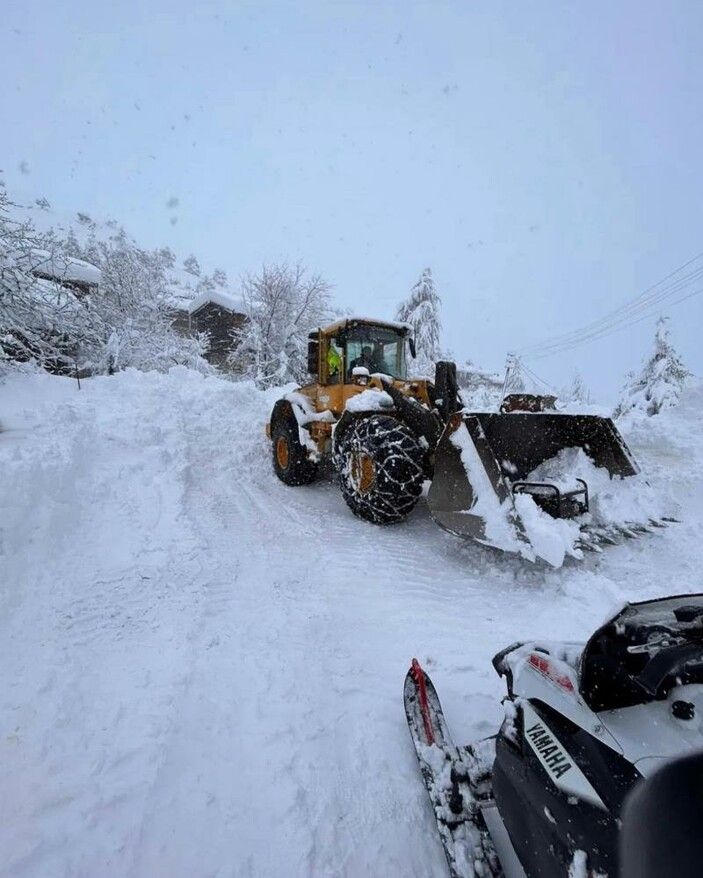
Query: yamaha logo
x=546, y=747
x=555, y=759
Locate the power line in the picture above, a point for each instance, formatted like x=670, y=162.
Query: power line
x=615, y=329
x=515, y=368
x=628, y=314
x=644, y=301
x=645, y=309
x=535, y=377
x=612, y=322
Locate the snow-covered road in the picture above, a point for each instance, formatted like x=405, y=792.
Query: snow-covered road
x=202, y=668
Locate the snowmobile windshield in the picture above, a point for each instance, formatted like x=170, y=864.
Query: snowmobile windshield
x=378, y=348
x=642, y=652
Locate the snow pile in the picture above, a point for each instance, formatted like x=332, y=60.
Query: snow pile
x=65, y=268
x=551, y=538
x=479, y=390
x=613, y=501
x=616, y=505
x=370, y=400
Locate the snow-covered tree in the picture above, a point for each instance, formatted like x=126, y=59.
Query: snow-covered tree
x=191, y=265
x=514, y=376
x=123, y=321
x=39, y=318
x=282, y=305
x=133, y=308
x=661, y=380
x=219, y=277
x=480, y=390
x=421, y=310
x=578, y=392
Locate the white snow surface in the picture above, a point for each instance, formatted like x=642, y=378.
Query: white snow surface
x=393, y=324
x=202, y=668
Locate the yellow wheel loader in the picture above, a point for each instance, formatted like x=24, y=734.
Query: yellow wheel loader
x=386, y=433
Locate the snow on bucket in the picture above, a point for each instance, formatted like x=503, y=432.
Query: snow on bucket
x=535, y=484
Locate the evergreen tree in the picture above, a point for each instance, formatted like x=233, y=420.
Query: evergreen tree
x=661, y=380
x=421, y=312
x=578, y=391
x=514, y=376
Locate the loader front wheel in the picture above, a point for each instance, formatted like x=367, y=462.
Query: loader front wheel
x=381, y=469
x=290, y=460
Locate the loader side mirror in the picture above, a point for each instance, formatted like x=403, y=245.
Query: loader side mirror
x=313, y=356
x=446, y=389
x=411, y=345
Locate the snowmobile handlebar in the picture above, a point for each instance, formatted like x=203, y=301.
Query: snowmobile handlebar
x=668, y=663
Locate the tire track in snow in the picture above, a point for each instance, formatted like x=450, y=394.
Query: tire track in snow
x=275, y=704
x=239, y=712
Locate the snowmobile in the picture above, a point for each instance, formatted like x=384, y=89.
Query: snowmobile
x=584, y=724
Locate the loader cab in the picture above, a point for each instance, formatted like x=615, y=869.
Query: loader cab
x=340, y=353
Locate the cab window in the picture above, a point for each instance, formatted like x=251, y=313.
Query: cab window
x=335, y=362
x=378, y=349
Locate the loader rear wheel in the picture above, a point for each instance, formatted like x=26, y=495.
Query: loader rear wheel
x=290, y=459
x=381, y=469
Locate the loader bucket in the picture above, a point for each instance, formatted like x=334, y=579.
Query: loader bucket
x=482, y=457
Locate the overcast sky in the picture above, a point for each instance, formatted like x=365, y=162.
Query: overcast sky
x=544, y=159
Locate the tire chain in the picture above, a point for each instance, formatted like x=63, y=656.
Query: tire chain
x=398, y=462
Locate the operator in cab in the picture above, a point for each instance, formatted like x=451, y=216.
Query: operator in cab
x=369, y=360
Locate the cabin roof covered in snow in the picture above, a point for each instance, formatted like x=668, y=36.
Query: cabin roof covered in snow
x=65, y=268
x=350, y=321
x=224, y=300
